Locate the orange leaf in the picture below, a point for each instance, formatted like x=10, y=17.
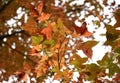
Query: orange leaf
x=26, y=66
x=87, y=34
x=40, y=7
x=87, y=51
x=57, y=76
x=21, y=76
x=47, y=32
x=38, y=47
x=38, y=72
x=34, y=13
x=35, y=50
x=43, y=17
x=86, y=47
x=45, y=57
x=82, y=30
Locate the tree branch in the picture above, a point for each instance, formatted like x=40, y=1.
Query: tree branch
x=14, y=33
x=5, y=5
x=59, y=58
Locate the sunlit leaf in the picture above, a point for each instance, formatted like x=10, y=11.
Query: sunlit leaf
x=59, y=23
x=44, y=17
x=37, y=39
x=44, y=57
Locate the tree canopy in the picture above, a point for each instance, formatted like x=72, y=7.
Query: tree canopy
x=41, y=40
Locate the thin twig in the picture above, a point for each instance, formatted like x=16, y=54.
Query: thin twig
x=14, y=33
x=59, y=58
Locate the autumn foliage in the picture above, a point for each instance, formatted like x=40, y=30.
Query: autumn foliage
x=51, y=45
x=54, y=55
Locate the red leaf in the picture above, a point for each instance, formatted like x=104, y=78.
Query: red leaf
x=47, y=31
x=82, y=30
x=33, y=12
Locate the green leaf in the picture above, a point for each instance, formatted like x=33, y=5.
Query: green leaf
x=37, y=39
x=104, y=62
x=113, y=68
x=93, y=70
x=49, y=42
x=117, y=50
x=77, y=61
x=112, y=35
x=118, y=12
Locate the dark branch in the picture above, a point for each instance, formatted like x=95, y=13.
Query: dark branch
x=14, y=33
x=5, y=5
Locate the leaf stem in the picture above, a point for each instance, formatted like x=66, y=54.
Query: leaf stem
x=59, y=58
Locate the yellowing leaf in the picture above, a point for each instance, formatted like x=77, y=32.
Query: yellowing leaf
x=57, y=76
x=59, y=23
x=38, y=47
x=37, y=39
